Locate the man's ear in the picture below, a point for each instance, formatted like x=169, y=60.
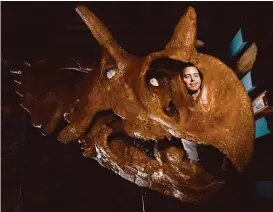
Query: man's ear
x=107, y=61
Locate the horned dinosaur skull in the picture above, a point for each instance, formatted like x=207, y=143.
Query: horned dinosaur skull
x=122, y=109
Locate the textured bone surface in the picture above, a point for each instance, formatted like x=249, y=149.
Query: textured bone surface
x=119, y=117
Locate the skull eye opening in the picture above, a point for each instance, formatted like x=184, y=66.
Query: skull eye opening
x=161, y=70
x=154, y=82
x=111, y=72
x=156, y=79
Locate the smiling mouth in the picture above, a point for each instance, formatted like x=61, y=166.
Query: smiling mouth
x=193, y=85
x=157, y=164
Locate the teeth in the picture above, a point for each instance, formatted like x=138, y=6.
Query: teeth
x=158, y=157
x=169, y=137
x=157, y=154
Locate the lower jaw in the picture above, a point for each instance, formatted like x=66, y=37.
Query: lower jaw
x=185, y=181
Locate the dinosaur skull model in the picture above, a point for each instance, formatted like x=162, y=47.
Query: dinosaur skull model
x=123, y=108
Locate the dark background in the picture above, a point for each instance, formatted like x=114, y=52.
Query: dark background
x=30, y=28
x=55, y=177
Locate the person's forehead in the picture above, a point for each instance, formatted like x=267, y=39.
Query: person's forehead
x=190, y=70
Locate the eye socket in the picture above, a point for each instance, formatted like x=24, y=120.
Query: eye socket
x=110, y=73
x=156, y=78
x=154, y=82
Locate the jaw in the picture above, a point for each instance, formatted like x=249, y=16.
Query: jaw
x=141, y=162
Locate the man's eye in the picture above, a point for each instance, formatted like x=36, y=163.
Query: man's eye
x=111, y=73
x=154, y=82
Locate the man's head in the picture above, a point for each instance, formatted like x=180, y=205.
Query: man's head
x=192, y=79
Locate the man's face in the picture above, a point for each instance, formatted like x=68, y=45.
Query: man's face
x=192, y=78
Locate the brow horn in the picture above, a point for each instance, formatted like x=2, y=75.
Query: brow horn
x=184, y=36
x=100, y=32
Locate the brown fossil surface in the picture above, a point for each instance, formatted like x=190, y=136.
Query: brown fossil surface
x=120, y=117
